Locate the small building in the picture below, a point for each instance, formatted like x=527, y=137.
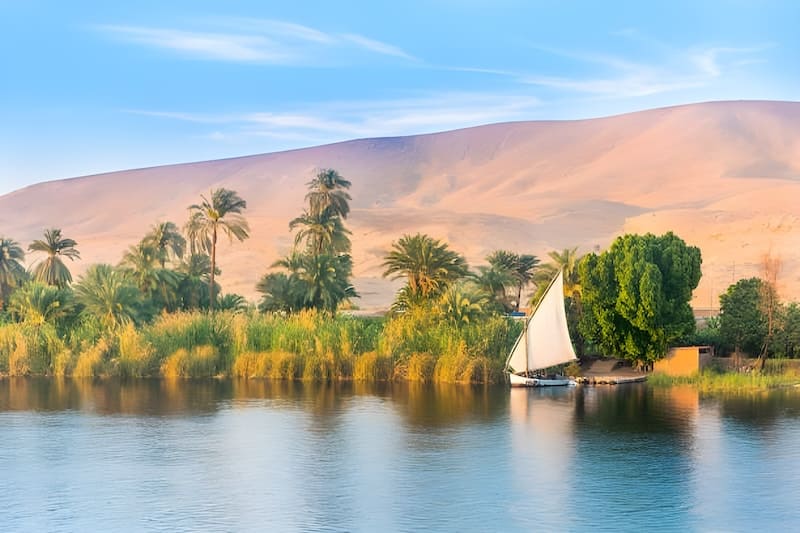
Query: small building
x=684, y=361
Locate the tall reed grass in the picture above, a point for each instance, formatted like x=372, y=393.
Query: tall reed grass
x=305, y=346
x=711, y=380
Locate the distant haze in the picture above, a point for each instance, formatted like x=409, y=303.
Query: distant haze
x=724, y=176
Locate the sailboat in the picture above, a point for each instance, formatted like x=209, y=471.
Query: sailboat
x=544, y=341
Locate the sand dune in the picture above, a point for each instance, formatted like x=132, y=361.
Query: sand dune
x=725, y=176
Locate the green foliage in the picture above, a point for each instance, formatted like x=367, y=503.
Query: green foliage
x=787, y=338
x=636, y=295
x=716, y=381
x=109, y=296
x=37, y=303
x=52, y=269
x=743, y=324
x=428, y=265
x=328, y=193
x=166, y=239
x=222, y=212
x=320, y=266
x=12, y=272
x=142, y=264
x=520, y=268
x=460, y=304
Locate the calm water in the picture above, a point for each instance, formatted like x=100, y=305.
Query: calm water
x=272, y=456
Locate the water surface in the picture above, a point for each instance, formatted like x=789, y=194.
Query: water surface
x=261, y=455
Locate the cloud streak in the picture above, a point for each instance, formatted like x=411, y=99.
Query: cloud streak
x=244, y=40
x=337, y=121
x=672, y=70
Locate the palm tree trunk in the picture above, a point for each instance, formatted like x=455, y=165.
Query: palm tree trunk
x=213, y=268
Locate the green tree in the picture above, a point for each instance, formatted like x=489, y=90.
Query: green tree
x=194, y=275
x=428, y=265
x=461, y=305
x=742, y=322
x=522, y=267
x=493, y=280
x=787, y=338
x=52, y=269
x=322, y=232
x=234, y=303
x=324, y=281
x=279, y=293
x=38, y=303
x=167, y=240
x=109, y=295
x=222, y=212
x=636, y=295
x=142, y=263
x=328, y=192
x=12, y=273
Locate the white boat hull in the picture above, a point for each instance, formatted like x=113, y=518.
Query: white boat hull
x=522, y=381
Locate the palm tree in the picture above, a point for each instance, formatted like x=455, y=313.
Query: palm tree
x=493, y=280
x=324, y=281
x=567, y=261
x=522, y=268
x=109, y=295
x=427, y=263
x=279, y=292
x=37, y=303
x=141, y=263
x=52, y=270
x=327, y=192
x=221, y=213
x=194, y=275
x=167, y=240
x=460, y=305
x=235, y=303
x=323, y=232
x=12, y=273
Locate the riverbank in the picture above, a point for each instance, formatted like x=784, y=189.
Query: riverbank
x=710, y=380
x=414, y=346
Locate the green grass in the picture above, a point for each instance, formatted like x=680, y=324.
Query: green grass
x=305, y=346
x=711, y=380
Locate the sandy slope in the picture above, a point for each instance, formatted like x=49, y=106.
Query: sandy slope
x=725, y=176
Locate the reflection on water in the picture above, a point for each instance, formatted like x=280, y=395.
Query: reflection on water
x=252, y=455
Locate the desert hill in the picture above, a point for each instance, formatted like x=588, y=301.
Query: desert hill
x=725, y=176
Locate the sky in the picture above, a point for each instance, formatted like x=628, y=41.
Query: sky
x=89, y=87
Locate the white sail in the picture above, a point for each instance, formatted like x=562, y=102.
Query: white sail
x=517, y=361
x=546, y=336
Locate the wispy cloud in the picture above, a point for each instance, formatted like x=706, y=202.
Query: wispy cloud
x=253, y=40
x=336, y=121
x=667, y=70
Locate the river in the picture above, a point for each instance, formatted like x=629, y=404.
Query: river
x=277, y=456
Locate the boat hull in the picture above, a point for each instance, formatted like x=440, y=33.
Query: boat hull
x=522, y=381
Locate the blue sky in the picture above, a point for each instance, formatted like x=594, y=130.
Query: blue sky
x=91, y=87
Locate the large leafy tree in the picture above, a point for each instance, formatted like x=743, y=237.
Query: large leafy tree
x=109, y=295
x=428, y=265
x=742, y=320
x=636, y=295
x=220, y=213
x=12, y=272
x=52, y=270
x=167, y=240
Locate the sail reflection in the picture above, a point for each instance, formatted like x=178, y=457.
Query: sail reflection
x=542, y=451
